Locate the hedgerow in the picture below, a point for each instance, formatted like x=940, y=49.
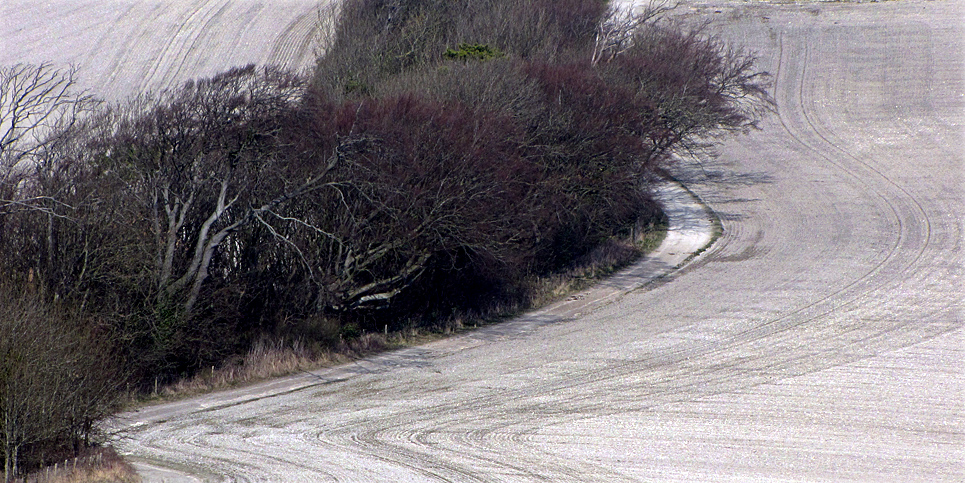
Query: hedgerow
x=442, y=156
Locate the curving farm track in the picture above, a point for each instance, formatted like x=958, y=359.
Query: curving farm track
x=819, y=339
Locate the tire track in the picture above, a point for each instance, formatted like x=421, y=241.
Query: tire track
x=109, y=73
x=913, y=220
x=176, y=49
x=297, y=42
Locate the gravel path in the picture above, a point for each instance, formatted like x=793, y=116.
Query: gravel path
x=820, y=339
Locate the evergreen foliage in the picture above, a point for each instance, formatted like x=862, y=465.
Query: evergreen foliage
x=467, y=52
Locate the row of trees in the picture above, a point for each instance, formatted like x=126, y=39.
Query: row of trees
x=441, y=152
x=57, y=375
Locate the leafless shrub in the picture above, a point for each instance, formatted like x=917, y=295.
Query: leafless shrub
x=416, y=189
x=56, y=381
x=616, y=33
x=699, y=86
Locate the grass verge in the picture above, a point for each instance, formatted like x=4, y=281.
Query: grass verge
x=97, y=465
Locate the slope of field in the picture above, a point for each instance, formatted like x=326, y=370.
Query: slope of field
x=820, y=339
x=126, y=47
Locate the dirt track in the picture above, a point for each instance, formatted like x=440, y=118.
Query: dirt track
x=820, y=339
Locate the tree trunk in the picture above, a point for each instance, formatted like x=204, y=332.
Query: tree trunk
x=10, y=448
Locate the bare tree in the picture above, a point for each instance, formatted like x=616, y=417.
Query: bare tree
x=615, y=33
x=37, y=103
x=203, y=162
x=39, y=106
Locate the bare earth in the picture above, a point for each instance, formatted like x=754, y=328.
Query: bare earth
x=820, y=339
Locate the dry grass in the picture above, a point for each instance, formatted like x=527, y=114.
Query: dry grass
x=274, y=358
x=101, y=465
x=600, y=262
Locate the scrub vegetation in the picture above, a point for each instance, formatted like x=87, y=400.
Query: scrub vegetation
x=446, y=162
